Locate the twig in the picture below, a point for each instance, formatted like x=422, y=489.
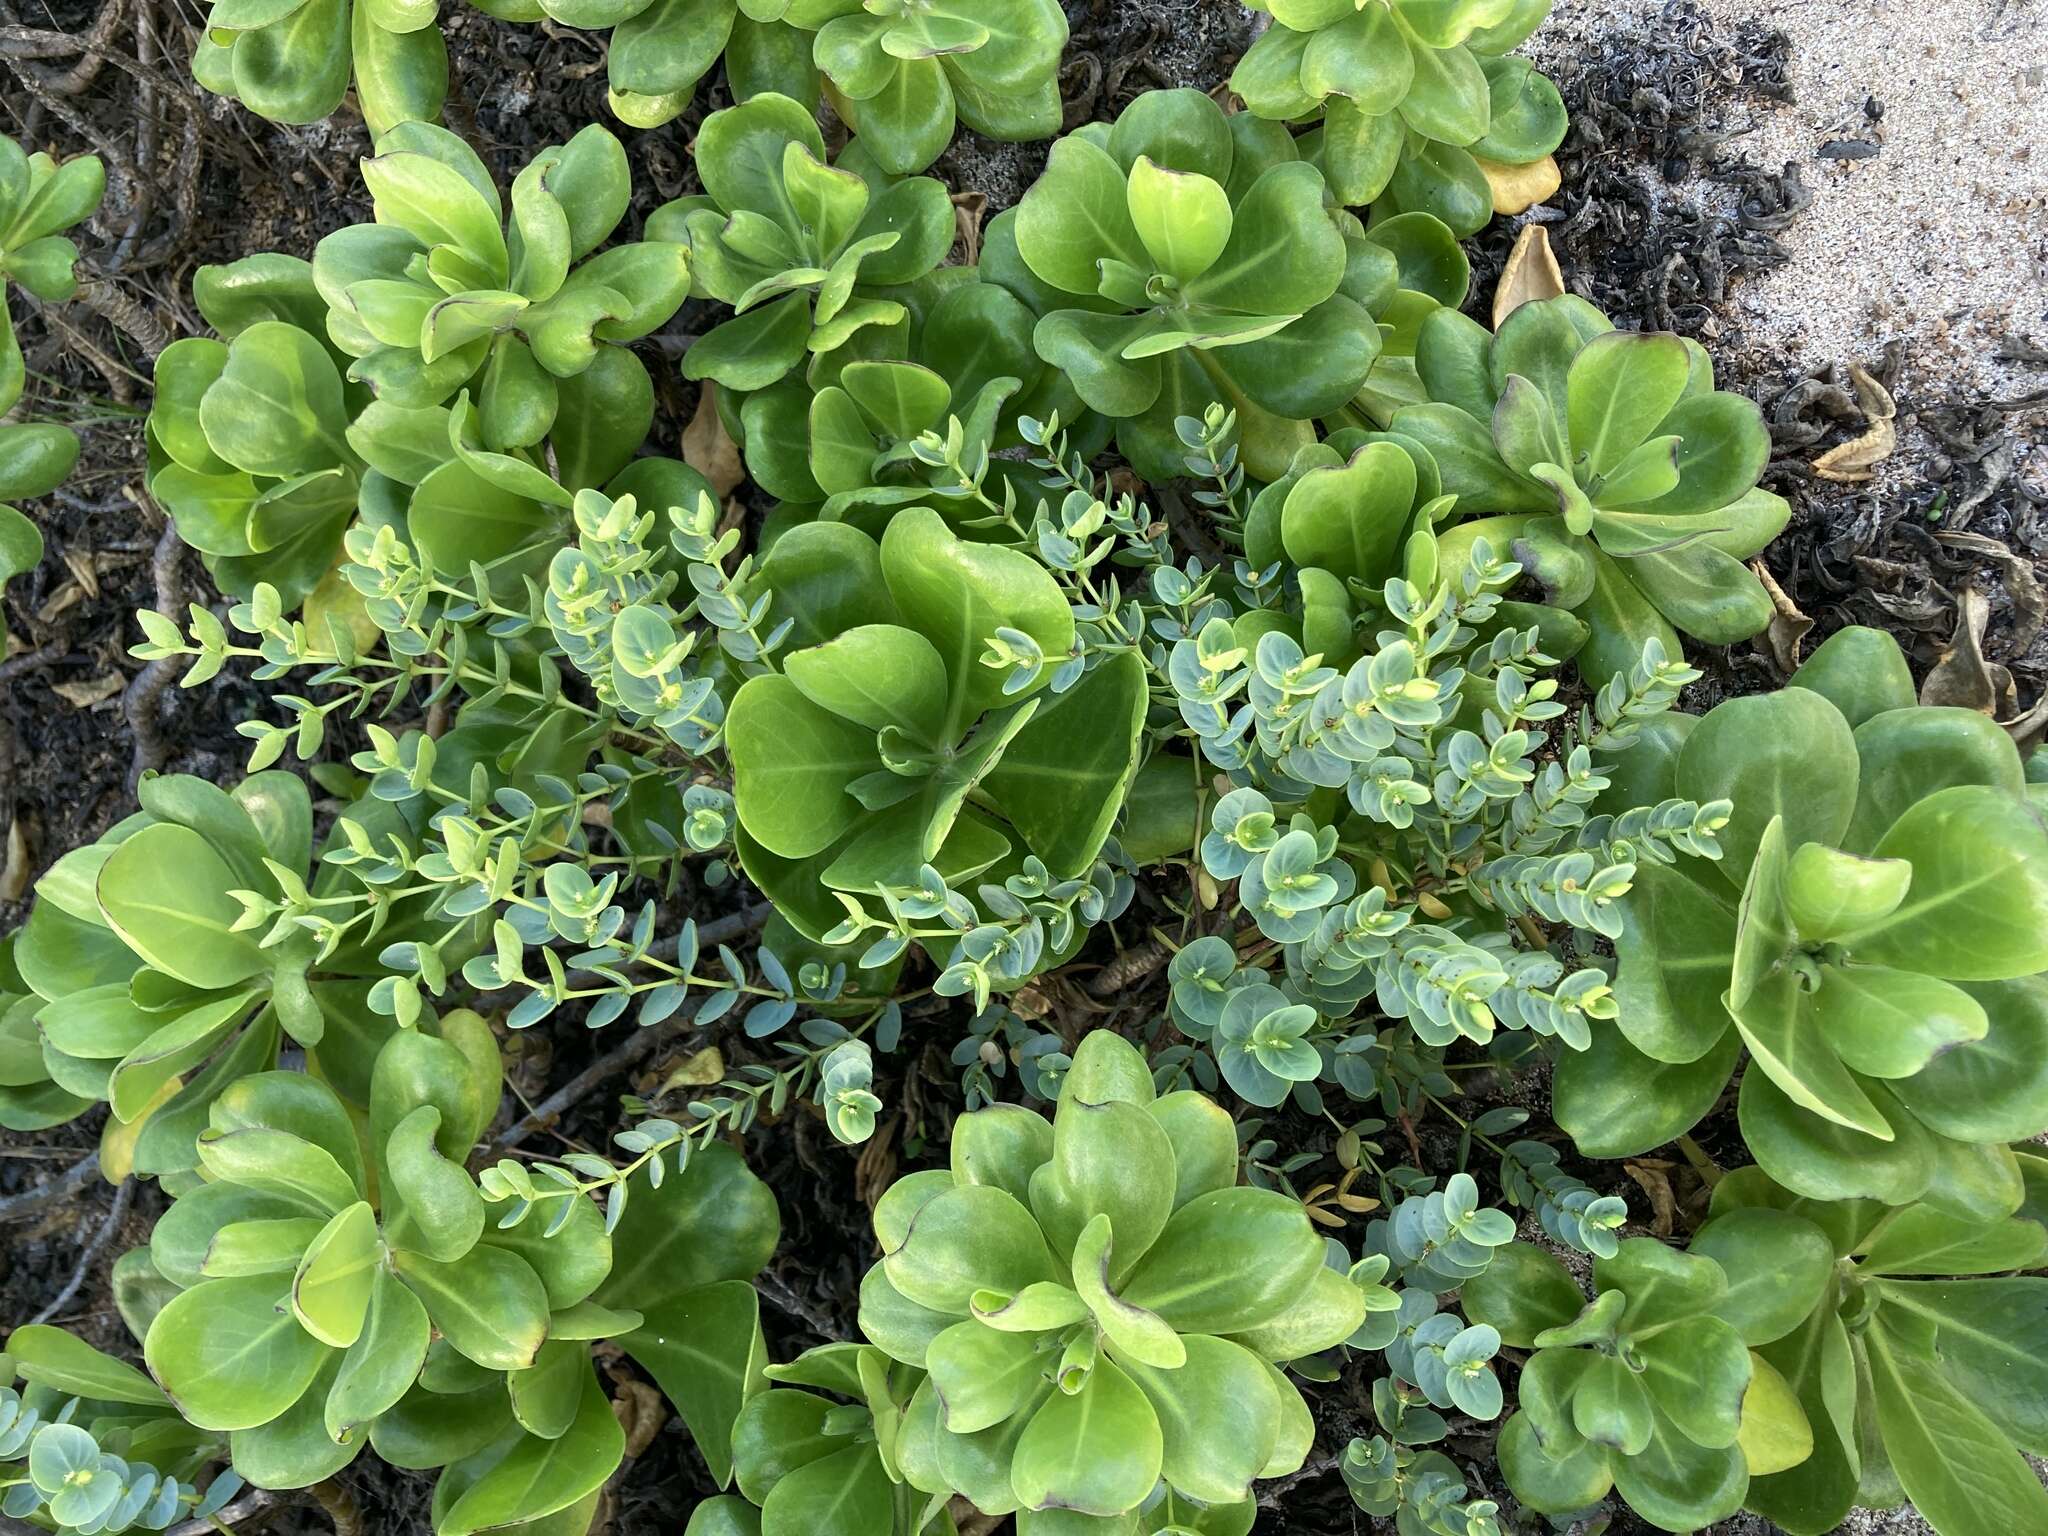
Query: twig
x=777, y=1291
x=1132, y=965
x=123, y=1197
x=254, y=1502
x=29, y=1201
x=125, y=313
x=640, y=1044
x=1270, y=1495
x=139, y=701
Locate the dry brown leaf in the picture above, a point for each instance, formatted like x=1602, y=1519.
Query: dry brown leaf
x=1531, y=274
x=1856, y=462
x=697, y=1070
x=968, y=209
x=14, y=878
x=2028, y=731
x=1962, y=678
x=640, y=1410
x=2029, y=599
x=1518, y=188
x=1788, y=626
x=1651, y=1175
x=709, y=449
x=66, y=596
x=85, y=568
x=93, y=691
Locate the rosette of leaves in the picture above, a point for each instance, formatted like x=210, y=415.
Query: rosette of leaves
x=808, y=1464
x=808, y=253
x=250, y=434
x=660, y=50
x=900, y=72
x=1183, y=256
x=90, y=1444
x=1608, y=464
x=1650, y=1390
x=292, y=61
x=1100, y=1307
x=39, y=200
x=1908, y=1341
x=337, y=1287
x=1420, y=109
x=875, y=433
x=434, y=368
x=910, y=723
x=445, y=289
x=155, y=974
x=1874, y=937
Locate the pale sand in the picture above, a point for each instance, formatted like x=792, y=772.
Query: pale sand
x=1942, y=238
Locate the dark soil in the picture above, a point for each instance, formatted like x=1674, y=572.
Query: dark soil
x=194, y=180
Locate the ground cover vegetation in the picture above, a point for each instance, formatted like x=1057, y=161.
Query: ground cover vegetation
x=1184, y=585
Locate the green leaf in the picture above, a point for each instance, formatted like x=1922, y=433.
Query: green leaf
x=1062, y=779
x=276, y=408
x=230, y=1353
x=1000, y=1145
x=1778, y=1267
x=1204, y=1141
x=1908, y=754
x=1350, y=519
x=1560, y=1480
x=1137, y=1336
x=1611, y=1407
x=1824, y=1160
x=537, y=1477
x=957, y=595
x=1676, y=947
x=1978, y=906
x=71, y=1367
x=1788, y=754
x=1697, y=1377
x=165, y=891
x=968, y=1239
x=1615, y=1101
x=293, y=1450
x=1108, y=1159
x=1097, y=1451
x=1219, y=1417
x=1075, y=216
x=1830, y=894
x=1284, y=255
x=1228, y=1260
x=1860, y=671
x=545, y=1395
x=877, y=676
x=1989, y=1337
x=1182, y=218
x=383, y=1363
x=1994, y=1089
x=704, y=1348
x=331, y=1291
x=983, y=1375
x=432, y=1205
x=1325, y=1314
x=1678, y=1485
x=1961, y=1473
x=488, y=1304
x=792, y=763
x=1620, y=387
x=713, y=1220
x=1520, y=1293
x=1890, y=1024
x=1778, y=1025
